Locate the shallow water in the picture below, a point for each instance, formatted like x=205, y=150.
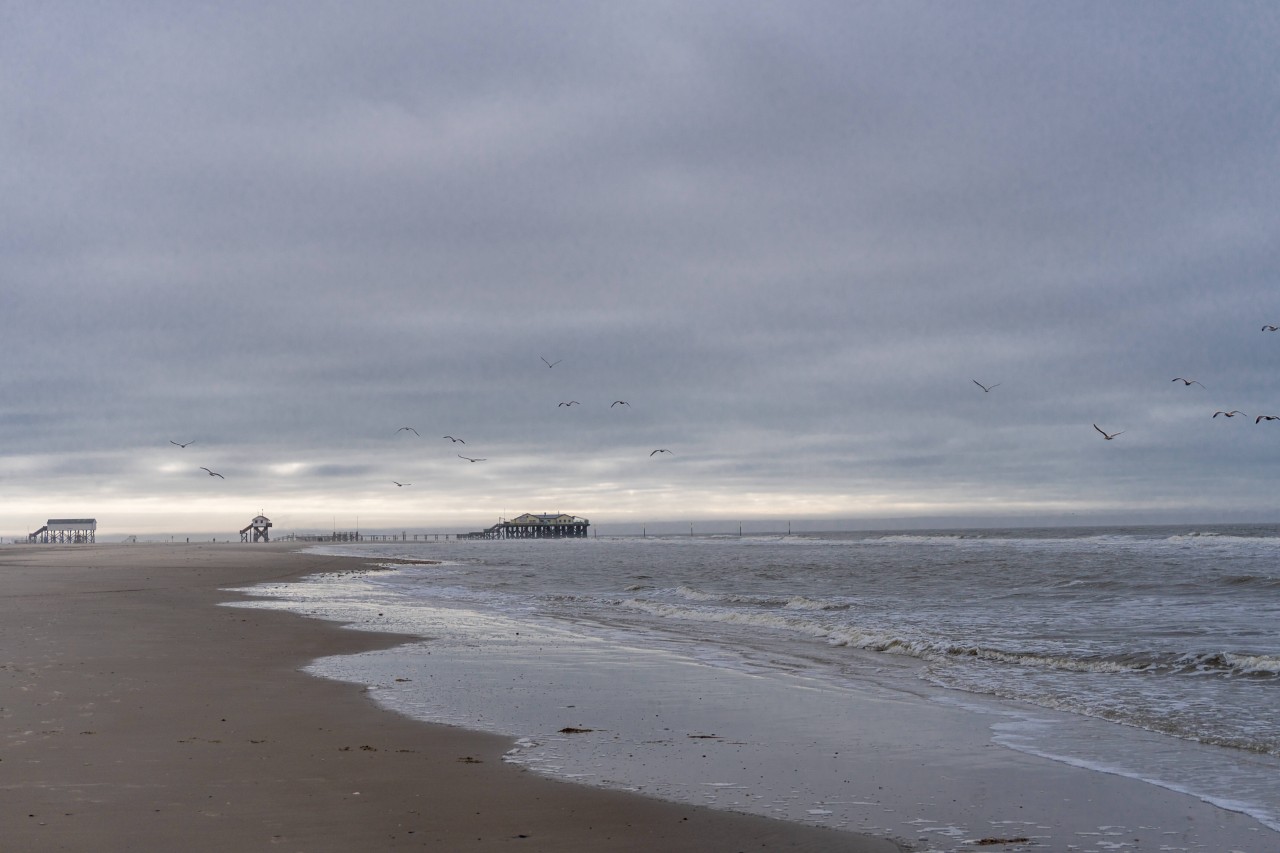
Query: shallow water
x=1145, y=652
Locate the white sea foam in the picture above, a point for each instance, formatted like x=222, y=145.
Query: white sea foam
x=801, y=602
x=1254, y=664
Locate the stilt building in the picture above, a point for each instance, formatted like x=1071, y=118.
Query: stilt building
x=535, y=526
x=58, y=531
x=258, y=528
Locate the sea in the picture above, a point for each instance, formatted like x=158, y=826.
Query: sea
x=738, y=670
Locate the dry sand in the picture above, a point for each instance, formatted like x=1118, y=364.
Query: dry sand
x=139, y=715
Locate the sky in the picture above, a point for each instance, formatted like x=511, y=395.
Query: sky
x=792, y=236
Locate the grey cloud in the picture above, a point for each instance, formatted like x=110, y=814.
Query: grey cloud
x=791, y=234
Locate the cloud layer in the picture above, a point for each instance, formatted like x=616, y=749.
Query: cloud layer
x=789, y=235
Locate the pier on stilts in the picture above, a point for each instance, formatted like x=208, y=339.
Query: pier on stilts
x=535, y=526
x=356, y=536
x=528, y=526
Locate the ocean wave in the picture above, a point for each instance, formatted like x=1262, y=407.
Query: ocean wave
x=1219, y=534
x=692, y=594
x=794, y=602
x=770, y=619
x=1229, y=663
x=1261, y=581
x=1092, y=583
x=927, y=537
x=801, y=602
x=940, y=649
x=845, y=635
x=1062, y=663
x=1151, y=717
x=1226, y=664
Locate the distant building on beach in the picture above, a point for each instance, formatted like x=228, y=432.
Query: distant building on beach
x=535, y=526
x=258, y=528
x=60, y=531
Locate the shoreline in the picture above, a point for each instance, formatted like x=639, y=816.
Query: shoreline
x=140, y=714
x=920, y=765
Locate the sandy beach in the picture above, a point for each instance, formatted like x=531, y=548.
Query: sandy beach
x=138, y=714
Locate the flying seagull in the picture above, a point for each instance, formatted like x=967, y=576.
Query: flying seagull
x=1270, y=328
x=1260, y=418
x=1105, y=435
x=571, y=403
x=551, y=363
x=469, y=459
x=986, y=388
x=1187, y=381
x=402, y=484
x=212, y=473
x=171, y=441
x=454, y=440
x=619, y=403
x=661, y=450
x=410, y=429
x=1231, y=414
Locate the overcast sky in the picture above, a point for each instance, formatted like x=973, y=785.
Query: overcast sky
x=790, y=235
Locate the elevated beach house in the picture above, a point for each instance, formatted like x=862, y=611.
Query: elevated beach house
x=536, y=526
x=58, y=531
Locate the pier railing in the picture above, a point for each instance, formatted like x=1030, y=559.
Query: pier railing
x=346, y=536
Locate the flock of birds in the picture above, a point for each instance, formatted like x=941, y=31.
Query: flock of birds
x=184, y=445
x=1108, y=436
x=1186, y=383
x=453, y=439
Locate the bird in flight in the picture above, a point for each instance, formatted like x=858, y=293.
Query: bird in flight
x=661, y=450
x=401, y=484
x=1108, y=437
x=1187, y=381
x=551, y=363
x=454, y=440
x=212, y=473
x=1270, y=328
x=619, y=403
x=986, y=388
x=469, y=459
x=1260, y=418
x=171, y=441
x=410, y=429
x=1231, y=414
x=571, y=403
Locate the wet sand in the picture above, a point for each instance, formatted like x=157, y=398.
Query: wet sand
x=137, y=714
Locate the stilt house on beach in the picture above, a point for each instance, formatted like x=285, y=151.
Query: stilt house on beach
x=535, y=526
x=258, y=528
x=59, y=531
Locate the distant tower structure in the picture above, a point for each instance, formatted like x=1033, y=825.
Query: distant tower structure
x=258, y=527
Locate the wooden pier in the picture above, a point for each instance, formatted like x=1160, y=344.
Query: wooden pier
x=348, y=536
x=527, y=526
